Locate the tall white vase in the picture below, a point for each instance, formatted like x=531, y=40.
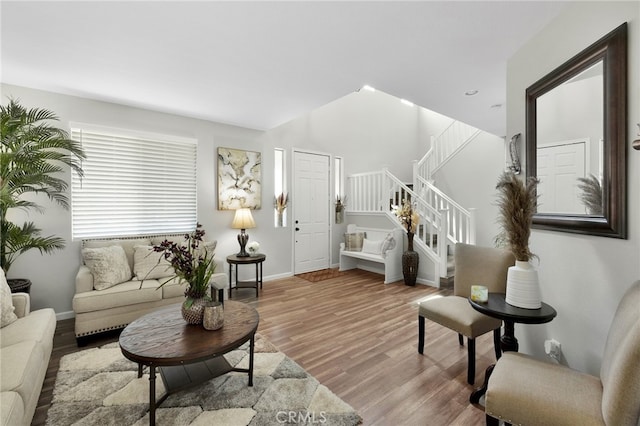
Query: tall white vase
x=523, y=288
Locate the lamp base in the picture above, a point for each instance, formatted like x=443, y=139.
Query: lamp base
x=243, y=237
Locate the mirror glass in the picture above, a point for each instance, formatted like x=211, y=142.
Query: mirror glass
x=575, y=141
x=569, y=145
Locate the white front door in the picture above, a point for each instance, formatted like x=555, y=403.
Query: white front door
x=559, y=167
x=311, y=211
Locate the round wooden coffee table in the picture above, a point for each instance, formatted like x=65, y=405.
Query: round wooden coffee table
x=187, y=354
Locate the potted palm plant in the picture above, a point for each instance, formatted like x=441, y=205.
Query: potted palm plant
x=33, y=154
x=517, y=203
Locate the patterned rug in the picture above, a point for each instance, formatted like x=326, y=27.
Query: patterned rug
x=321, y=275
x=100, y=387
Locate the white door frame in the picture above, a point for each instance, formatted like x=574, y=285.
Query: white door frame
x=295, y=150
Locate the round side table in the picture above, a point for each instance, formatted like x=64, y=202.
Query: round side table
x=235, y=260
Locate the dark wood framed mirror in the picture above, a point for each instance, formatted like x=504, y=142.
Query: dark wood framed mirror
x=576, y=124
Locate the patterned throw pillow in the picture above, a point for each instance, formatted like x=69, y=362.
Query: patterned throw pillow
x=108, y=265
x=150, y=265
x=7, y=314
x=389, y=243
x=353, y=241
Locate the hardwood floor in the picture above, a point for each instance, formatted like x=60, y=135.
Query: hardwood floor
x=357, y=336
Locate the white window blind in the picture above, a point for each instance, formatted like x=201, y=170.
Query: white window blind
x=133, y=184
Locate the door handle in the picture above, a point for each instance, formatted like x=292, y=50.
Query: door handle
x=297, y=229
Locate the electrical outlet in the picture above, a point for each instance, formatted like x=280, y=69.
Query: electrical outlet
x=553, y=349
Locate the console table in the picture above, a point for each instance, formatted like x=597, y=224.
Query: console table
x=497, y=307
x=248, y=260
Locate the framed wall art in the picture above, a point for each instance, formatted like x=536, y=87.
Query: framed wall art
x=239, y=179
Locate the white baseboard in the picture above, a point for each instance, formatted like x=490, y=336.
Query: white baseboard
x=65, y=315
x=277, y=276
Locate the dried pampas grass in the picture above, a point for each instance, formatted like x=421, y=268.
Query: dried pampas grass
x=591, y=195
x=517, y=203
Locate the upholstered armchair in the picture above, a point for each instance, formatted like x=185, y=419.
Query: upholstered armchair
x=526, y=391
x=474, y=265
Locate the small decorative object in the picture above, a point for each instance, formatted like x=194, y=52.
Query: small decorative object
x=213, y=316
x=479, y=293
x=591, y=195
x=517, y=203
x=340, y=206
x=409, y=219
x=253, y=247
x=193, y=266
x=243, y=220
x=280, y=204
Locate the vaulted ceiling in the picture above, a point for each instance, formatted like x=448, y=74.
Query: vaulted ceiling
x=261, y=64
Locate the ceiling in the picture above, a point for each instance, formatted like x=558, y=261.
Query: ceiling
x=261, y=64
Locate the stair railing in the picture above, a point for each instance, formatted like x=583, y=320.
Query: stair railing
x=383, y=192
x=445, y=146
x=461, y=222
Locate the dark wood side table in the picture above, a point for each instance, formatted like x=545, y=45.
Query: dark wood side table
x=187, y=354
x=250, y=260
x=497, y=307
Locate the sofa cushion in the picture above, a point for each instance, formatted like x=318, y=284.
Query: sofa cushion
x=39, y=325
x=7, y=314
x=173, y=288
x=11, y=408
x=127, y=293
x=19, y=361
x=150, y=265
x=128, y=244
x=108, y=265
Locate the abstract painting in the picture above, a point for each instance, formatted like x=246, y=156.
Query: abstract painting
x=239, y=179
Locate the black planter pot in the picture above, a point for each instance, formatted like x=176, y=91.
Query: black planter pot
x=19, y=285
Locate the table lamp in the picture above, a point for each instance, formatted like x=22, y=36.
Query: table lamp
x=243, y=220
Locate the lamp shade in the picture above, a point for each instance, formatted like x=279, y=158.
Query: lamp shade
x=243, y=219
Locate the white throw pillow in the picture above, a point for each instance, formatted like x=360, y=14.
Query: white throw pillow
x=150, y=265
x=7, y=314
x=109, y=266
x=372, y=246
x=207, y=248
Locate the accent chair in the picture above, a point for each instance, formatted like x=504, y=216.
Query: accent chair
x=474, y=265
x=527, y=391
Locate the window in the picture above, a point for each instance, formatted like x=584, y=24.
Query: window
x=279, y=187
x=338, y=178
x=133, y=184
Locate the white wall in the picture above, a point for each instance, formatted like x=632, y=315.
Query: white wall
x=583, y=277
x=470, y=179
x=53, y=275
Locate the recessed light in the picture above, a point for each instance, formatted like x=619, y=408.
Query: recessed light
x=471, y=92
x=406, y=102
x=369, y=88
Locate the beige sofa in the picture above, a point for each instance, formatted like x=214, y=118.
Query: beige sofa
x=25, y=349
x=98, y=309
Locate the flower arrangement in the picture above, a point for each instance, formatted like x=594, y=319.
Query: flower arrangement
x=253, y=247
x=408, y=217
x=191, y=264
x=280, y=202
x=517, y=203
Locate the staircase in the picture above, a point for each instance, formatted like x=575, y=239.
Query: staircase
x=441, y=218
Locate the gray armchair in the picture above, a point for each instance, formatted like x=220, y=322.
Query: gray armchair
x=474, y=265
x=523, y=390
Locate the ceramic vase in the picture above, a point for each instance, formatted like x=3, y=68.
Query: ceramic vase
x=410, y=262
x=193, y=312
x=523, y=288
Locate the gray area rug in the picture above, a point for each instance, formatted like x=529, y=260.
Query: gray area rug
x=100, y=387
